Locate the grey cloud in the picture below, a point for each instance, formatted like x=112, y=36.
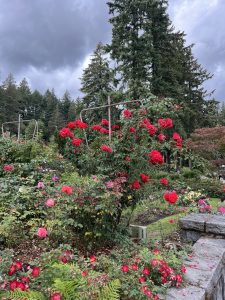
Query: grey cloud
x=47, y=41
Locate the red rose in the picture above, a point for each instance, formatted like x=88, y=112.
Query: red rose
x=115, y=127
x=76, y=142
x=171, y=197
x=146, y=271
x=164, y=181
x=156, y=157
x=80, y=124
x=182, y=269
x=132, y=130
x=106, y=148
x=56, y=296
x=36, y=271
x=19, y=265
x=104, y=130
x=162, y=123
x=12, y=270
x=13, y=285
x=134, y=267
x=161, y=137
x=71, y=125
x=24, y=279
x=84, y=273
x=135, y=185
x=141, y=279
x=125, y=268
x=65, y=132
x=105, y=122
x=93, y=259
x=144, y=178
x=169, y=123
x=21, y=286
x=96, y=127
x=8, y=168
x=127, y=113
x=67, y=190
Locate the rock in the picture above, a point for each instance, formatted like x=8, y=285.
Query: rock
x=195, y=222
x=188, y=293
x=216, y=225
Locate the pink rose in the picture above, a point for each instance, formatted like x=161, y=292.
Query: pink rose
x=42, y=232
x=50, y=202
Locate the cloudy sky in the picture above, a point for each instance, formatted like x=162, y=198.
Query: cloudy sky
x=49, y=41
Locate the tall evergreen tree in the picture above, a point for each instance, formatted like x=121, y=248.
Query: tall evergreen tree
x=97, y=82
x=131, y=45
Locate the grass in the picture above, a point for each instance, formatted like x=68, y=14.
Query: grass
x=164, y=227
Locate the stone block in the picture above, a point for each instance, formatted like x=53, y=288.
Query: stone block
x=216, y=225
x=195, y=222
x=191, y=235
x=188, y=293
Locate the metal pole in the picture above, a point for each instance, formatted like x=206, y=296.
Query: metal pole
x=18, y=137
x=109, y=117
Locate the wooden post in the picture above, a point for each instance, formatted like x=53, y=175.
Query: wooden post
x=109, y=118
x=18, y=137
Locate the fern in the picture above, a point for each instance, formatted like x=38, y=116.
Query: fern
x=70, y=288
x=20, y=295
x=111, y=291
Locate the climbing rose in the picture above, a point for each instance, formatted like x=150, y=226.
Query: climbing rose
x=36, y=271
x=96, y=127
x=42, y=232
x=171, y=197
x=156, y=157
x=67, y=190
x=106, y=148
x=50, y=202
x=65, y=132
x=169, y=123
x=182, y=269
x=115, y=127
x=176, y=137
x=104, y=130
x=135, y=185
x=164, y=181
x=105, y=122
x=132, y=130
x=125, y=268
x=56, y=296
x=71, y=125
x=161, y=137
x=144, y=178
x=221, y=210
x=162, y=123
x=76, y=142
x=8, y=168
x=127, y=113
x=84, y=273
x=127, y=158
x=21, y=286
x=13, y=285
x=80, y=124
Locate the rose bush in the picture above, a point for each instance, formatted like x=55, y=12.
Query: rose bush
x=137, y=151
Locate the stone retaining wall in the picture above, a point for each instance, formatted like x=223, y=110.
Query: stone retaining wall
x=205, y=273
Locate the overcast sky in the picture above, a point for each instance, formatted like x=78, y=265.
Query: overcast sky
x=49, y=41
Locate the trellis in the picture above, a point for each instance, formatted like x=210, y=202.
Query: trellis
x=19, y=122
x=109, y=105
